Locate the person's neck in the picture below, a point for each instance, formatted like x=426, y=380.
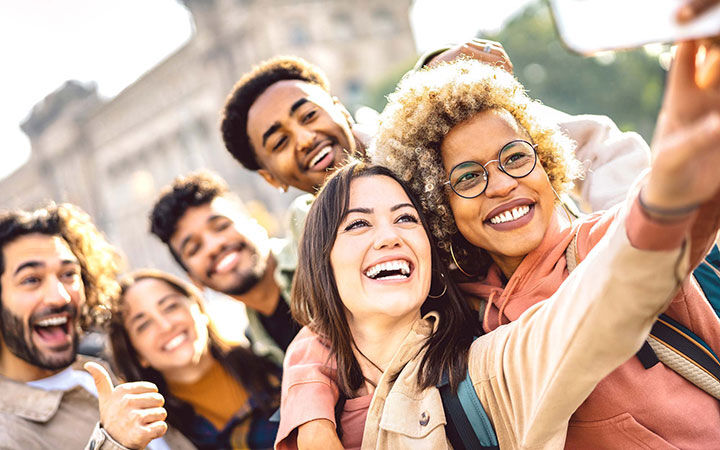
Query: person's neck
x=18, y=369
x=508, y=264
x=264, y=296
x=193, y=372
x=378, y=340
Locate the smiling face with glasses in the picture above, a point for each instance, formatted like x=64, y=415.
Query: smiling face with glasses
x=501, y=198
x=470, y=178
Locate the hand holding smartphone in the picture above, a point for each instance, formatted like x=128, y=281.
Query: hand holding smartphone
x=589, y=26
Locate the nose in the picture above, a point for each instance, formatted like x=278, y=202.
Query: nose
x=213, y=243
x=304, y=139
x=386, y=237
x=499, y=184
x=57, y=293
x=163, y=323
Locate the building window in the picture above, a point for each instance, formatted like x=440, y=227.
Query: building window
x=384, y=21
x=299, y=35
x=343, y=26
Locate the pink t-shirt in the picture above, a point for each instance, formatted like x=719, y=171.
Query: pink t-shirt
x=353, y=421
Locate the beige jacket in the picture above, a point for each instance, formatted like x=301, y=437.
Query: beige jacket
x=33, y=418
x=532, y=374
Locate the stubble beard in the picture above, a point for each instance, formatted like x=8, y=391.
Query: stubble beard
x=16, y=337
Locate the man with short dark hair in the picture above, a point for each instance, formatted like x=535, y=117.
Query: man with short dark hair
x=222, y=248
x=57, y=274
x=282, y=121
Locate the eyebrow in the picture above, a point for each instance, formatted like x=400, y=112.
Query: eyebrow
x=30, y=265
x=401, y=205
x=162, y=300
x=370, y=210
x=297, y=104
x=167, y=297
x=274, y=127
x=187, y=238
x=35, y=264
x=137, y=317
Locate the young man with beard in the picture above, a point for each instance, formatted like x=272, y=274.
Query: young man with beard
x=57, y=273
x=222, y=248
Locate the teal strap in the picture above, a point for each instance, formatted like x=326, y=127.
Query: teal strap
x=476, y=414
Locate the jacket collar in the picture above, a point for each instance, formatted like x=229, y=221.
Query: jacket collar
x=31, y=403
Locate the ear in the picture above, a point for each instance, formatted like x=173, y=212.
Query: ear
x=143, y=362
x=343, y=110
x=270, y=178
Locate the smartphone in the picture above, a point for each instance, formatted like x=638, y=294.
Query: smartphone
x=590, y=26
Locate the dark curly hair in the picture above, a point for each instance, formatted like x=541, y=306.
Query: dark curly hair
x=194, y=189
x=99, y=261
x=235, y=113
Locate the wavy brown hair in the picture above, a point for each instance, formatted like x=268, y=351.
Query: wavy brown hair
x=426, y=105
x=254, y=372
x=317, y=303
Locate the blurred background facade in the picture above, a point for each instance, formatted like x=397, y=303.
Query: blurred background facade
x=112, y=156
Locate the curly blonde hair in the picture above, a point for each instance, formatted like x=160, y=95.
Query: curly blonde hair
x=426, y=105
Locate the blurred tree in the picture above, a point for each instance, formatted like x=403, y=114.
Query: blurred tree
x=376, y=94
x=627, y=86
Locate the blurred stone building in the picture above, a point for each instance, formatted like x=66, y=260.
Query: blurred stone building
x=112, y=156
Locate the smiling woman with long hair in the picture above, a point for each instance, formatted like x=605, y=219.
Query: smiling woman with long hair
x=369, y=283
x=488, y=168
x=217, y=395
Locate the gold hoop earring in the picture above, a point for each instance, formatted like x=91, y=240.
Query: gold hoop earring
x=452, y=254
x=444, y=288
x=565, y=208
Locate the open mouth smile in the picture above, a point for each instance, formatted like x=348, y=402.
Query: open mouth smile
x=175, y=342
x=55, y=330
x=512, y=215
x=397, y=269
x=322, y=157
x=227, y=259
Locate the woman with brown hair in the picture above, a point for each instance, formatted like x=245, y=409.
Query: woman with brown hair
x=488, y=169
x=218, y=396
x=371, y=285
x=482, y=118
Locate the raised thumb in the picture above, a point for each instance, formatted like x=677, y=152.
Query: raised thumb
x=102, y=380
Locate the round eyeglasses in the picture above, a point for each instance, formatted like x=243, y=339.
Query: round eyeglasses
x=517, y=159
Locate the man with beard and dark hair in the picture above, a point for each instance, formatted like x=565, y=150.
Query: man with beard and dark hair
x=222, y=248
x=57, y=275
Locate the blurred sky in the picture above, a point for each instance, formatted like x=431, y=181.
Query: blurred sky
x=43, y=43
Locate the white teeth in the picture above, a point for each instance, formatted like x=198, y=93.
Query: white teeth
x=52, y=322
x=175, y=342
x=513, y=214
x=398, y=264
x=321, y=154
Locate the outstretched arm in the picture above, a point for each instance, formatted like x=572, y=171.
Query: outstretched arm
x=534, y=373
x=309, y=395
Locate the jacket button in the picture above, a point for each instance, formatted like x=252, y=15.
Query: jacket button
x=424, y=418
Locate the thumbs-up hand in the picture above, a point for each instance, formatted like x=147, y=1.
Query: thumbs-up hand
x=131, y=413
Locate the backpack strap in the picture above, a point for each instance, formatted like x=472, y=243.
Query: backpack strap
x=686, y=353
x=674, y=345
x=468, y=425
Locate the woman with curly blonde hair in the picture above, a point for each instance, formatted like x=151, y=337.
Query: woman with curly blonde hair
x=489, y=168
